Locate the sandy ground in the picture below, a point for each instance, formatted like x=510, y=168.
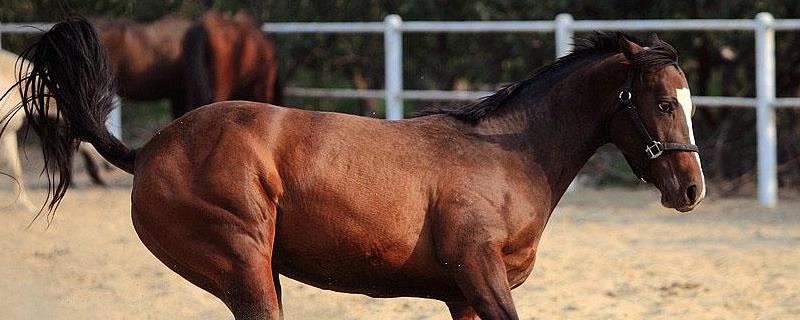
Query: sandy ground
x=605, y=254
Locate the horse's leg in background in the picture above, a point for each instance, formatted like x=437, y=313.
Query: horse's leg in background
x=268, y=87
x=277, y=90
x=197, y=76
x=178, y=105
x=90, y=158
x=11, y=152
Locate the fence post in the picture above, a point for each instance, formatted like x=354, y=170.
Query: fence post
x=564, y=34
x=393, y=51
x=114, y=123
x=765, y=113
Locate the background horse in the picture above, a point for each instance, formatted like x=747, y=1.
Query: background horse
x=147, y=58
x=9, y=150
x=12, y=122
x=230, y=59
x=448, y=206
x=192, y=63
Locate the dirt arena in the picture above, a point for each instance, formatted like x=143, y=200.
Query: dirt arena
x=611, y=254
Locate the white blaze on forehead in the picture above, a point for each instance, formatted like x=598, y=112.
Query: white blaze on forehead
x=684, y=97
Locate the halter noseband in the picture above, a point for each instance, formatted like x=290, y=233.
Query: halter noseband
x=653, y=148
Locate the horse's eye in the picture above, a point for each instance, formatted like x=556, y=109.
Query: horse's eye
x=665, y=107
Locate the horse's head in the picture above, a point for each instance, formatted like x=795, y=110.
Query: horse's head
x=652, y=124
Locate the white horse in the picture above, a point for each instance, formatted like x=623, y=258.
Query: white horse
x=9, y=151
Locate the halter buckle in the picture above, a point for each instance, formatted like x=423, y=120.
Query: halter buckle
x=654, y=150
x=624, y=96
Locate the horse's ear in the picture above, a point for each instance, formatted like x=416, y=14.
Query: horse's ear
x=629, y=47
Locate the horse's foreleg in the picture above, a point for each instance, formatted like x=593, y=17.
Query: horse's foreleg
x=483, y=280
x=462, y=311
x=178, y=105
x=481, y=275
x=11, y=152
x=469, y=247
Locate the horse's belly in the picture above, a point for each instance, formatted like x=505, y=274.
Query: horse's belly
x=347, y=255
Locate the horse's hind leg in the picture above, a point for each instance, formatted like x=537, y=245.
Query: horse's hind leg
x=11, y=152
x=214, y=248
x=252, y=293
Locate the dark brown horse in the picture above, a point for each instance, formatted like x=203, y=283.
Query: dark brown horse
x=447, y=206
x=192, y=63
x=147, y=58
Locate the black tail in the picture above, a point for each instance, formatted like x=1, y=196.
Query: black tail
x=277, y=91
x=197, y=76
x=69, y=66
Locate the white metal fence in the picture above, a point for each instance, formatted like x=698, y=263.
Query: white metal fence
x=563, y=27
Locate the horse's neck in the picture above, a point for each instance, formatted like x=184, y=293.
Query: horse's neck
x=559, y=130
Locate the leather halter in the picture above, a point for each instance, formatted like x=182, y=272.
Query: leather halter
x=653, y=148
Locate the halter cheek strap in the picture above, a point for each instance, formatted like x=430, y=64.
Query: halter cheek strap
x=653, y=148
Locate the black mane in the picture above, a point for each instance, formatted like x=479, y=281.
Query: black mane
x=599, y=44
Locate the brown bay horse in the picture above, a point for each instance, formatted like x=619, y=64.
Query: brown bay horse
x=192, y=63
x=449, y=205
x=147, y=58
x=229, y=59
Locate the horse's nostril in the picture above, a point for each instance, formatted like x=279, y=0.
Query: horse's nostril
x=691, y=193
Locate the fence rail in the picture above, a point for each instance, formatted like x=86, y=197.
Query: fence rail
x=563, y=27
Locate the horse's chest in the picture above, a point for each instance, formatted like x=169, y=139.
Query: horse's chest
x=519, y=264
x=519, y=252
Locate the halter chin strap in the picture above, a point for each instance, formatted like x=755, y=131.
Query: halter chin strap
x=653, y=148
